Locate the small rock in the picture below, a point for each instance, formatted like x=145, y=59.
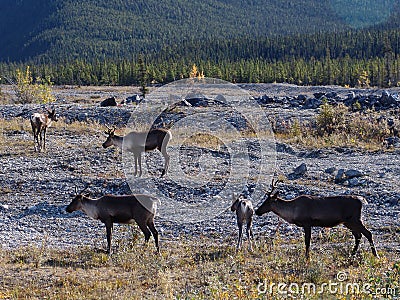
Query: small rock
x=353, y=173
x=353, y=182
x=339, y=178
x=330, y=170
x=3, y=207
x=300, y=170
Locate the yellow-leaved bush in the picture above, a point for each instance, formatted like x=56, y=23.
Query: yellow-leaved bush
x=32, y=91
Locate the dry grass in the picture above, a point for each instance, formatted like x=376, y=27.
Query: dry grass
x=197, y=268
x=18, y=132
x=344, y=129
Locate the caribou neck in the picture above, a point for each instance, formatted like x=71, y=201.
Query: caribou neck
x=89, y=207
x=118, y=141
x=283, y=209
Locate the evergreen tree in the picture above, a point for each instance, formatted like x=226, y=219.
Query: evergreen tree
x=142, y=76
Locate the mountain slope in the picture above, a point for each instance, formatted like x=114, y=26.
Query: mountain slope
x=70, y=29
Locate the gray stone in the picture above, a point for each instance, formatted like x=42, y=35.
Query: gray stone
x=300, y=170
x=340, y=177
x=353, y=182
x=331, y=95
x=319, y=95
x=330, y=170
x=353, y=173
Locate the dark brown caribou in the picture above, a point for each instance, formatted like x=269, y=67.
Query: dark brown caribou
x=310, y=211
x=124, y=209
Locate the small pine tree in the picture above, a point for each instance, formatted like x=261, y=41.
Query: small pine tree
x=142, y=76
x=330, y=119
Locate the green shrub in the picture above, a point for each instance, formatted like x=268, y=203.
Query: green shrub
x=331, y=119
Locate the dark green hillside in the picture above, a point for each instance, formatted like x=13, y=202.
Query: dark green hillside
x=20, y=23
x=304, y=42
x=61, y=29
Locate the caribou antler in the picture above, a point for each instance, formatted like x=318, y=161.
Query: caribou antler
x=81, y=192
x=110, y=131
x=273, y=186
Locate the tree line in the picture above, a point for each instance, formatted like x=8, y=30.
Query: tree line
x=353, y=58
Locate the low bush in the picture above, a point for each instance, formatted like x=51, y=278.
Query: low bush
x=30, y=90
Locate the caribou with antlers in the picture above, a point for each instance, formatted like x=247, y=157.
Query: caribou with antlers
x=310, y=211
x=40, y=122
x=138, y=142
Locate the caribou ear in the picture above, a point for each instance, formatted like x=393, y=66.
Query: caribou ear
x=234, y=196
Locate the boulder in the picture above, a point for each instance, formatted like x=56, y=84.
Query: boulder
x=392, y=141
x=312, y=103
x=108, y=102
x=387, y=99
x=330, y=95
x=301, y=97
x=319, y=95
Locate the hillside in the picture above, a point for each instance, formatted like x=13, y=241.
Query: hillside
x=59, y=30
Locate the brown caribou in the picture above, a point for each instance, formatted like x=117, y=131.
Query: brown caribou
x=138, y=142
x=40, y=122
x=244, y=214
x=124, y=209
x=309, y=211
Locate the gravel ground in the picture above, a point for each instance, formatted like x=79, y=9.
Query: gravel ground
x=36, y=187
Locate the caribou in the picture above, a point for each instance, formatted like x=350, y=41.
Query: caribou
x=244, y=214
x=40, y=122
x=309, y=211
x=124, y=209
x=138, y=142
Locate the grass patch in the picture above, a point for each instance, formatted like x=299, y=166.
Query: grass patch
x=194, y=268
x=18, y=133
x=339, y=127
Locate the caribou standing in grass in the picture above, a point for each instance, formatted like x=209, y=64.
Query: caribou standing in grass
x=138, y=142
x=310, y=211
x=124, y=209
x=40, y=123
x=244, y=214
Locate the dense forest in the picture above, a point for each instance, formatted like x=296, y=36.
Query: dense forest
x=304, y=42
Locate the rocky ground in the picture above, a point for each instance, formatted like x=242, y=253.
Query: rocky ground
x=36, y=187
